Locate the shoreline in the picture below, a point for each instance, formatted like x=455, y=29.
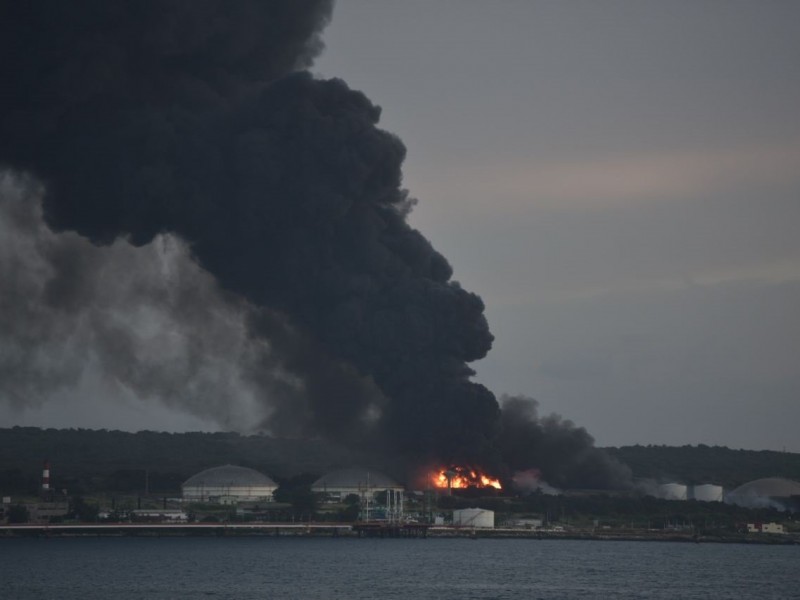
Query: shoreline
x=346, y=530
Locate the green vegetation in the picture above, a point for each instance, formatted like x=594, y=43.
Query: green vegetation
x=296, y=492
x=83, y=511
x=17, y=513
x=707, y=464
x=87, y=461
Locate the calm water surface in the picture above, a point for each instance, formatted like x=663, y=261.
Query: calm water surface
x=268, y=567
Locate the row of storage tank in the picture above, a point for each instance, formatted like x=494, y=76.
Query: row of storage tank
x=234, y=483
x=753, y=493
x=678, y=491
x=230, y=483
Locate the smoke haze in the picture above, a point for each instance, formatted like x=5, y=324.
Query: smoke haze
x=148, y=321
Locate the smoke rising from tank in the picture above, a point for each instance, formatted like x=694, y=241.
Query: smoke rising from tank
x=196, y=122
x=530, y=481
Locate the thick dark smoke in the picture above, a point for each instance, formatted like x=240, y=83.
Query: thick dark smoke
x=196, y=119
x=565, y=454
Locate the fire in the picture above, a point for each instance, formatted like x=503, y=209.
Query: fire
x=462, y=477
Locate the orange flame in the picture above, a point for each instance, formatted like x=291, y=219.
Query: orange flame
x=462, y=477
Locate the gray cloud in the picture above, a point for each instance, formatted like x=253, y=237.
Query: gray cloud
x=709, y=363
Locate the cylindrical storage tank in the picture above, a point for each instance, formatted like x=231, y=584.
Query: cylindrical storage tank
x=673, y=491
x=474, y=517
x=708, y=492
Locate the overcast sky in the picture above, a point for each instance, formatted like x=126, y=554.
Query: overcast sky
x=619, y=181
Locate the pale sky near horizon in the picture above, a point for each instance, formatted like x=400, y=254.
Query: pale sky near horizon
x=618, y=180
x=620, y=183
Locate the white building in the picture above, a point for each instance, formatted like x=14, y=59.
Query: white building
x=526, y=523
x=765, y=528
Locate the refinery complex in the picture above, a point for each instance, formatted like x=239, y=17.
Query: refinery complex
x=367, y=500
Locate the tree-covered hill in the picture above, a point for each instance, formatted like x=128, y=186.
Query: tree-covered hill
x=707, y=464
x=84, y=459
x=91, y=460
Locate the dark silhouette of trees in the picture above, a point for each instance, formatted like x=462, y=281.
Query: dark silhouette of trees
x=18, y=514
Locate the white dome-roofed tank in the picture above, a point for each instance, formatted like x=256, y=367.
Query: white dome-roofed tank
x=229, y=482
x=337, y=485
x=673, y=491
x=708, y=492
x=764, y=492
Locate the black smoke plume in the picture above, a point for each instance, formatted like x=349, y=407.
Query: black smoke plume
x=145, y=118
x=565, y=454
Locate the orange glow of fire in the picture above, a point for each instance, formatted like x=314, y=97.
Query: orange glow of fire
x=461, y=478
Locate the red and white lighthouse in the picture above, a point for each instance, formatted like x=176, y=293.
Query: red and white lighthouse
x=46, y=477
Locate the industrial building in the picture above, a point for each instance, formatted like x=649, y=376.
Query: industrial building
x=228, y=484
x=337, y=485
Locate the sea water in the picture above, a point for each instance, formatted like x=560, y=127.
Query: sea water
x=298, y=567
